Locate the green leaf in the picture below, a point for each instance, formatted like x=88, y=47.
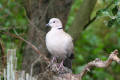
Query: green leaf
x=111, y=22
x=115, y=10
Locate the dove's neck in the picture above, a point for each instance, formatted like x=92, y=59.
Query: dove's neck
x=60, y=28
x=57, y=28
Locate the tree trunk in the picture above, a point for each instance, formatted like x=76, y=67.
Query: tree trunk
x=82, y=18
x=39, y=12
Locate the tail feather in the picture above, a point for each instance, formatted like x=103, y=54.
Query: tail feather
x=68, y=61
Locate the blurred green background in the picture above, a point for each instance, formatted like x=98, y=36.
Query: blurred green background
x=100, y=38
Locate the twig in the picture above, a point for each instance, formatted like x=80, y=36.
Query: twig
x=5, y=29
x=30, y=44
x=101, y=64
x=96, y=63
x=35, y=27
x=45, y=12
x=2, y=53
x=93, y=19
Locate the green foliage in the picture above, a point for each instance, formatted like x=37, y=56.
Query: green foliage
x=12, y=16
x=112, y=11
x=98, y=40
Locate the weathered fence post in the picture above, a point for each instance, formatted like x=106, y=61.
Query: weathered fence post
x=10, y=73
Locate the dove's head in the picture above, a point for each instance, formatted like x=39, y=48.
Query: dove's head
x=54, y=23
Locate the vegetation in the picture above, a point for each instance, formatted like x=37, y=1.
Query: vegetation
x=101, y=36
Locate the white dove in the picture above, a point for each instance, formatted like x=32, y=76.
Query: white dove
x=58, y=42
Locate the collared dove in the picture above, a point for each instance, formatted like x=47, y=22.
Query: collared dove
x=58, y=42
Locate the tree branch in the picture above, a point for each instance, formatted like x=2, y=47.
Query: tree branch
x=30, y=44
x=92, y=20
x=96, y=63
x=82, y=18
x=101, y=64
x=2, y=53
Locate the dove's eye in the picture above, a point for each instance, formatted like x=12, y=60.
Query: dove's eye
x=53, y=21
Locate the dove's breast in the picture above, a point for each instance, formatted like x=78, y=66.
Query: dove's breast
x=57, y=43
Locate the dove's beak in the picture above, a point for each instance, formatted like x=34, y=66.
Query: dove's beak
x=47, y=25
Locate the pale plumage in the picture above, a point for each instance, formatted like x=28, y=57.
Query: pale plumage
x=58, y=42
